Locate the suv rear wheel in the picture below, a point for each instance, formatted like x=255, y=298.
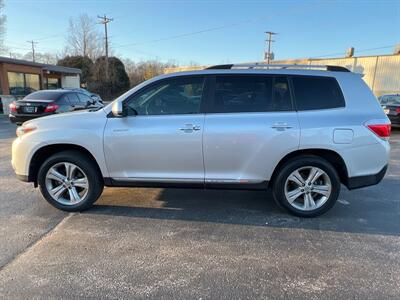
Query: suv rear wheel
x=306, y=186
x=70, y=181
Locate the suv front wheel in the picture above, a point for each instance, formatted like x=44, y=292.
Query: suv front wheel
x=306, y=186
x=70, y=181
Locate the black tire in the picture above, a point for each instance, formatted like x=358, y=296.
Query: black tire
x=91, y=171
x=279, y=181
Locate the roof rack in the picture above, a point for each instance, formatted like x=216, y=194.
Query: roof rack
x=278, y=66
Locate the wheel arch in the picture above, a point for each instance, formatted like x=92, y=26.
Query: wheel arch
x=331, y=156
x=46, y=151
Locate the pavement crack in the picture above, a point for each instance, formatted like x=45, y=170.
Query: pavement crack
x=36, y=242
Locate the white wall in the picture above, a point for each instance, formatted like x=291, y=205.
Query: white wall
x=70, y=82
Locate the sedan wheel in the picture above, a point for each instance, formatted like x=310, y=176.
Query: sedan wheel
x=67, y=184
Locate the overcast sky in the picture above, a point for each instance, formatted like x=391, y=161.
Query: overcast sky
x=210, y=32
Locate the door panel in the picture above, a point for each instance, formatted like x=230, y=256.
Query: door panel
x=245, y=148
x=155, y=147
x=253, y=126
x=161, y=138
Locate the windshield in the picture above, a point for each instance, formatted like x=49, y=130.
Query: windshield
x=390, y=100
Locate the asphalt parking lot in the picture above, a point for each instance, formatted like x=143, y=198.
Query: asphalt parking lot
x=195, y=244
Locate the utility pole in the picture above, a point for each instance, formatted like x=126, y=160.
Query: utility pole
x=105, y=20
x=269, y=40
x=33, y=48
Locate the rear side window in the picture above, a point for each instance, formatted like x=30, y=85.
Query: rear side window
x=317, y=93
x=73, y=98
x=84, y=98
x=63, y=100
x=243, y=93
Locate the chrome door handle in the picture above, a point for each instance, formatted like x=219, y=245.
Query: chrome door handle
x=281, y=126
x=189, y=128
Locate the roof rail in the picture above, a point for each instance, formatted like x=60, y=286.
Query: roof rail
x=279, y=66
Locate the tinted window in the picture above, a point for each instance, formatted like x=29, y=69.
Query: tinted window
x=84, y=99
x=73, y=98
x=317, y=93
x=281, y=95
x=44, y=95
x=390, y=100
x=173, y=96
x=251, y=94
x=63, y=100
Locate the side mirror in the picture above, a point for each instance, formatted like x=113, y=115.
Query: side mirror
x=118, y=109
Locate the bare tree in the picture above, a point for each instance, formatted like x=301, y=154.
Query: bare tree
x=83, y=37
x=144, y=70
x=2, y=26
x=45, y=58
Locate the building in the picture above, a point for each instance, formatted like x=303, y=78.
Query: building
x=381, y=72
x=20, y=77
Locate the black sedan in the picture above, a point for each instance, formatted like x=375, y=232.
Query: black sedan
x=47, y=102
x=391, y=106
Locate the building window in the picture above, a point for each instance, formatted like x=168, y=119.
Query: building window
x=53, y=83
x=21, y=84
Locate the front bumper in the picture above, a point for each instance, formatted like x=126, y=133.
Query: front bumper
x=367, y=180
x=19, y=119
x=23, y=178
x=22, y=152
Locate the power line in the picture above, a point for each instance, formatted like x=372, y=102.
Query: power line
x=105, y=20
x=33, y=48
x=247, y=21
x=357, y=51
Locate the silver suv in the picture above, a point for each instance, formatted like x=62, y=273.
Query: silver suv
x=300, y=130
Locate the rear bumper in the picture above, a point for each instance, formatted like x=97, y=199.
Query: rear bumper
x=395, y=120
x=20, y=119
x=367, y=180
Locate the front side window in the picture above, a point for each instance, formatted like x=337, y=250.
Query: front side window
x=317, y=93
x=242, y=93
x=171, y=96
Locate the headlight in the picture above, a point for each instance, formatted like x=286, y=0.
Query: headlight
x=24, y=129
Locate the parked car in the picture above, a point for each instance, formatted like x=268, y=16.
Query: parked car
x=49, y=102
x=391, y=107
x=297, y=131
x=94, y=96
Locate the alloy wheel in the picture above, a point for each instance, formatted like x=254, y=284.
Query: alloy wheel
x=67, y=183
x=308, y=188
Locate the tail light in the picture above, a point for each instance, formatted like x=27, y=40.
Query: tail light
x=52, y=107
x=398, y=110
x=13, y=107
x=381, y=130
